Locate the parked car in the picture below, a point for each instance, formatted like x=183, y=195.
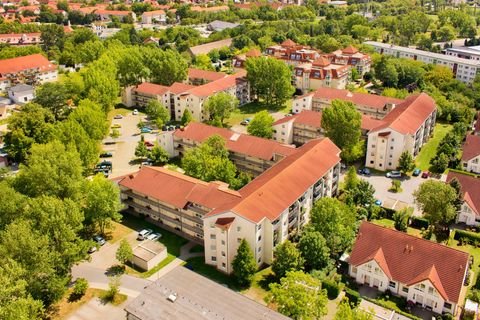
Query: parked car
x=154, y=236
x=425, y=174
x=146, y=130
x=143, y=234
x=378, y=202
x=116, y=126
x=146, y=163
x=148, y=144
x=245, y=122
x=92, y=249
x=416, y=172
x=135, y=112
x=364, y=171
x=106, y=155
x=394, y=174
x=99, y=239
x=118, y=116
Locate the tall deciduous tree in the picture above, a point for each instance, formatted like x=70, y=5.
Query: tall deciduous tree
x=53, y=96
x=261, y=125
x=336, y=222
x=102, y=203
x=299, y=296
x=342, y=124
x=124, y=252
x=244, y=265
x=437, y=201
x=351, y=179
x=157, y=112
x=346, y=312
x=186, y=117
x=286, y=257
x=166, y=67
x=220, y=106
x=314, y=250
x=363, y=194
x=270, y=79
x=158, y=154
x=406, y=162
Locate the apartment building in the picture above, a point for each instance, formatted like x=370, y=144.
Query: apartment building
x=265, y=212
x=469, y=212
x=154, y=17
x=240, y=60
x=250, y=154
x=472, y=53
x=198, y=77
x=106, y=15
x=351, y=56
x=471, y=154
x=465, y=70
x=371, y=105
x=427, y=273
x=321, y=73
x=32, y=70
x=21, y=39
x=307, y=125
x=406, y=128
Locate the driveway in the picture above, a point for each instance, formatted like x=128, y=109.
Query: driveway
x=96, y=309
x=124, y=149
x=105, y=257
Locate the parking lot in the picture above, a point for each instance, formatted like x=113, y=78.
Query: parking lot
x=123, y=151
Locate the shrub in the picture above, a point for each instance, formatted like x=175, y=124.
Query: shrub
x=333, y=288
x=79, y=289
x=466, y=237
x=419, y=223
x=353, y=296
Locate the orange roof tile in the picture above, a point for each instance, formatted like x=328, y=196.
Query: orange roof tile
x=153, y=13
x=235, y=142
x=219, y=85
x=411, y=260
x=151, y=88
x=470, y=188
x=178, y=87
x=371, y=100
x=321, y=62
x=34, y=61
x=350, y=50
x=205, y=74
x=253, y=53
x=113, y=12
x=471, y=147
x=288, y=43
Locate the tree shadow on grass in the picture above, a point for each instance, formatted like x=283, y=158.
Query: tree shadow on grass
x=266, y=281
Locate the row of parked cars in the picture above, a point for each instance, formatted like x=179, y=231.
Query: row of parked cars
x=395, y=173
x=148, y=234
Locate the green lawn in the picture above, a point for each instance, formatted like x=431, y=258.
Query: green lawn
x=117, y=111
x=430, y=148
x=248, y=111
x=391, y=224
x=146, y=274
x=258, y=291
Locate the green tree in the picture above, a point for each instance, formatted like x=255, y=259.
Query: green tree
x=124, y=252
x=186, y=117
x=437, y=201
x=115, y=133
x=113, y=289
x=244, y=265
x=90, y=116
x=203, y=62
x=270, y=80
x=52, y=170
x=102, y=203
x=141, y=150
x=52, y=35
x=401, y=218
x=454, y=183
x=406, y=162
x=386, y=72
x=342, y=124
x=158, y=155
x=209, y=161
x=286, y=257
x=346, y=312
x=440, y=163
x=53, y=96
x=299, y=296
x=363, y=194
x=79, y=289
x=396, y=185
x=261, y=125
x=351, y=179
x=11, y=204
x=220, y=106
x=131, y=69
x=166, y=67
x=336, y=222
x=314, y=250
x=158, y=112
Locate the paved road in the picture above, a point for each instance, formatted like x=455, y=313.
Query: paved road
x=96, y=309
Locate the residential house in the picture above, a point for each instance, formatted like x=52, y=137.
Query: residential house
x=33, y=69
x=371, y=105
x=207, y=47
x=471, y=154
x=21, y=93
x=306, y=125
x=265, y=212
x=21, y=39
x=464, y=70
x=154, y=17
x=406, y=128
x=429, y=274
x=240, y=60
x=469, y=212
x=106, y=15
x=351, y=56
x=321, y=73
x=249, y=153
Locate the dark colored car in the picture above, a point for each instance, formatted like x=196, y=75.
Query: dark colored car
x=416, y=172
x=118, y=116
x=106, y=155
x=425, y=174
x=364, y=171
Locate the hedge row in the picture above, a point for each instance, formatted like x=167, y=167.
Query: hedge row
x=353, y=296
x=333, y=288
x=467, y=236
x=419, y=223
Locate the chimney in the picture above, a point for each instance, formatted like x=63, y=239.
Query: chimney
x=406, y=248
x=411, y=249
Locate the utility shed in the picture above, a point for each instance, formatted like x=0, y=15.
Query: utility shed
x=148, y=254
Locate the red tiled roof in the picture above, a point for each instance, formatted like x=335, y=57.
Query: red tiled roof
x=409, y=115
x=288, y=43
x=178, y=189
x=151, y=88
x=241, y=143
x=253, y=53
x=225, y=223
x=219, y=85
x=153, y=13
x=411, y=260
x=470, y=189
x=471, y=148
x=113, y=12
x=371, y=100
x=178, y=87
x=277, y=188
x=321, y=62
x=19, y=35
x=350, y=50
x=205, y=74
x=34, y=61
x=209, y=9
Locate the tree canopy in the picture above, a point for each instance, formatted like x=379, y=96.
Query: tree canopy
x=261, y=125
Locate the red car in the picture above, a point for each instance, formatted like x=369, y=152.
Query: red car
x=425, y=175
x=148, y=144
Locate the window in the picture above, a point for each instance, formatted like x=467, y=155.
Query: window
x=223, y=253
x=214, y=258
x=392, y=284
x=239, y=240
x=259, y=249
x=259, y=227
x=354, y=269
x=223, y=242
x=213, y=236
x=259, y=259
x=239, y=228
x=431, y=290
x=447, y=305
x=224, y=265
x=405, y=289
x=259, y=238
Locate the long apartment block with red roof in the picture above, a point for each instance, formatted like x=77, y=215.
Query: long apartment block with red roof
x=250, y=154
x=265, y=212
x=469, y=212
x=429, y=274
x=192, y=94
x=33, y=69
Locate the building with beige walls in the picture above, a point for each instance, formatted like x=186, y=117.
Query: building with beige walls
x=429, y=274
x=265, y=212
x=469, y=212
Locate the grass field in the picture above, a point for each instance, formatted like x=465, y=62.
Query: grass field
x=390, y=224
x=430, y=148
x=259, y=288
x=250, y=109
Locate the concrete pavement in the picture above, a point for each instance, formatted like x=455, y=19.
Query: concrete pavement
x=96, y=309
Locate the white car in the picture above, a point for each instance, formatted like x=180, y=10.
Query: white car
x=394, y=174
x=154, y=236
x=142, y=235
x=135, y=112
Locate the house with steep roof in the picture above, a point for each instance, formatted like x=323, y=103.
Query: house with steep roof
x=265, y=212
x=407, y=127
x=469, y=212
x=429, y=274
x=471, y=154
x=32, y=70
